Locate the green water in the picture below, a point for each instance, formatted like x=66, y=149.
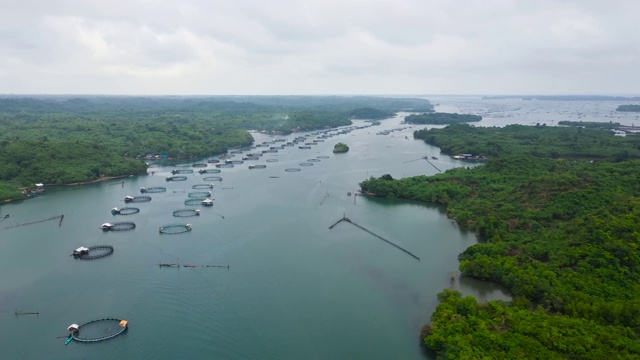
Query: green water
x=294, y=289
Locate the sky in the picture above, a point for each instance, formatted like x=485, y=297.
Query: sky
x=305, y=47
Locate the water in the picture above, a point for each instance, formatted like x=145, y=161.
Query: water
x=294, y=288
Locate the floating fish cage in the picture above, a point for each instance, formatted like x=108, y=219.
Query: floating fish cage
x=199, y=194
x=235, y=152
x=98, y=330
x=313, y=160
x=125, y=211
x=292, y=170
x=118, y=226
x=145, y=198
x=200, y=165
x=209, y=171
x=175, y=228
x=186, y=212
x=92, y=252
x=176, y=178
x=202, y=186
x=212, y=178
x=225, y=166
x=237, y=162
x=272, y=160
x=259, y=166
x=182, y=171
x=194, y=201
x=213, y=161
x=154, y=189
x=306, y=164
x=304, y=147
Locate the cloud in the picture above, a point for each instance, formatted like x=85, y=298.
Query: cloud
x=318, y=47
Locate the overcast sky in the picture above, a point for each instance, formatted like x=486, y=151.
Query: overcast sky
x=319, y=47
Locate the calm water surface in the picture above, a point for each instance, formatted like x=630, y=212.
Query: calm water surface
x=294, y=289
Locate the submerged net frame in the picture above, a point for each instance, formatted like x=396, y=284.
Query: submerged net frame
x=212, y=178
x=126, y=211
x=122, y=226
x=209, y=171
x=186, y=212
x=153, y=189
x=89, y=328
x=139, y=199
x=202, y=186
x=176, y=178
x=194, y=201
x=175, y=228
x=108, y=250
x=199, y=194
x=292, y=170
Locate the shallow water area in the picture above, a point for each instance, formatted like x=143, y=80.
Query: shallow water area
x=293, y=288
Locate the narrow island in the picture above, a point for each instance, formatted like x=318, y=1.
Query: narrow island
x=437, y=118
x=629, y=108
x=557, y=216
x=340, y=148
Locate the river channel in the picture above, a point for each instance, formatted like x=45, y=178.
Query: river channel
x=294, y=288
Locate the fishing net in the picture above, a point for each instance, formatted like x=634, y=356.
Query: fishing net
x=199, y=194
x=209, y=171
x=292, y=170
x=182, y=171
x=194, y=201
x=306, y=164
x=125, y=211
x=260, y=166
x=175, y=228
x=176, y=178
x=186, y=212
x=122, y=226
x=137, y=198
x=212, y=178
x=98, y=330
x=199, y=165
x=154, y=189
x=272, y=160
x=313, y=160
x=202, y=186
x=95, y=252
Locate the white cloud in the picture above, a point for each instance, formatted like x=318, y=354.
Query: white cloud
x=323, y=46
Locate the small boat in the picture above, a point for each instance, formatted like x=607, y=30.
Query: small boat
x=68, y=339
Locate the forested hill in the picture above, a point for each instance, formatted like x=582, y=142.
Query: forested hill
x=42, y=138
x=561, y=233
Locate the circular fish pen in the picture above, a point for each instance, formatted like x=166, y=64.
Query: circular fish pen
x=202, y=186
x=306, y=164
x=259, y=166
x=175, y=228
x=213, y=178
x=237, y=162
x=272, y=160
x=314, y=160
x=137, y=199
x=176, y=178
x=194, y=201
x=226, y=165
x=209, y=171
x=119, y=226
x=292, y=170
x=93, y=252
x=182, y=171
x=322, y=157
x=199, y=165
x=154, y=189
x=213, y=161
x=199, y=194
x=186, y=212
x=125, y=211
x=99, y=330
